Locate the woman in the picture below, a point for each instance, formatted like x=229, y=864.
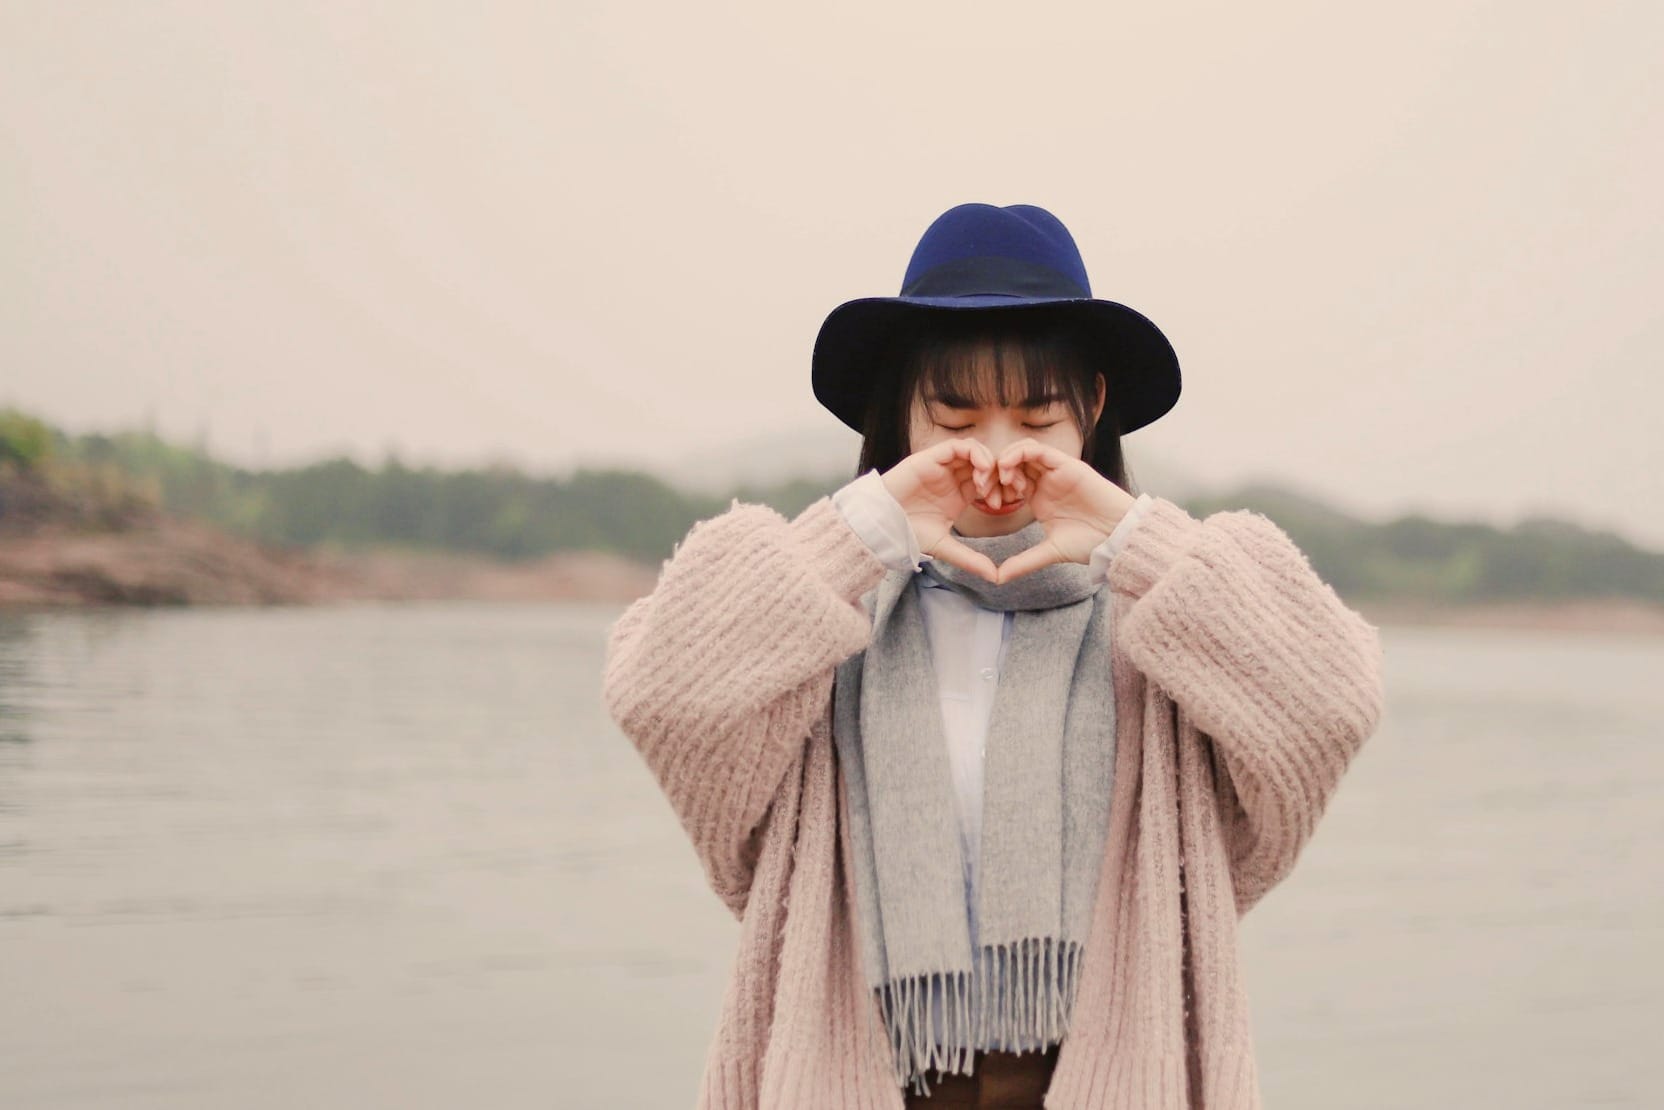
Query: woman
x=989, y=819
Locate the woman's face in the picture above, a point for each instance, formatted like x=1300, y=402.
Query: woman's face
x=1044, y=419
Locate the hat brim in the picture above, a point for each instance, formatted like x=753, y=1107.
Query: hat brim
x=1140, y=367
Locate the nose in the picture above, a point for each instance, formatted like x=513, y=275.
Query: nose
x=1000, y=433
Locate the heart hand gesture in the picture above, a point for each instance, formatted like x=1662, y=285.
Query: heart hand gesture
x=934, y=486
x=1075, y=505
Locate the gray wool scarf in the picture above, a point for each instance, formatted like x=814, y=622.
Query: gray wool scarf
x=1048, y=768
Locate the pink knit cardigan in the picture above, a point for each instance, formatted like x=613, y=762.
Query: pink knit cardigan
x=1243, y=686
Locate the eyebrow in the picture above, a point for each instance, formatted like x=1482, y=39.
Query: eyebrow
x=957, y=401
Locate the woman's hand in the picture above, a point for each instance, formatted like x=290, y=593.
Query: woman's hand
x=934, y=486
x=1077, y=506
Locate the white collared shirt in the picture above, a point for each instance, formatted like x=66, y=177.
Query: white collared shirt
x=967, y=644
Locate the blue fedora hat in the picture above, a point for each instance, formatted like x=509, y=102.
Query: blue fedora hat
x=1018, y=260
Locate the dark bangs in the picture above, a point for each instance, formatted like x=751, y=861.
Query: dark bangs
x=1032, y=355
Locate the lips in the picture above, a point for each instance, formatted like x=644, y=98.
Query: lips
x=1004, y=509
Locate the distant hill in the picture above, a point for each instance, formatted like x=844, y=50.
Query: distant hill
x=502, y=513
x=1418, y=558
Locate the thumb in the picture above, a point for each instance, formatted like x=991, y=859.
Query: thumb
x=950, y=550
x=1042, y=554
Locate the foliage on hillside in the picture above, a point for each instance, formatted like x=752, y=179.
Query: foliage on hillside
x=42, y=484
x=504, y=512
x=1418, y=557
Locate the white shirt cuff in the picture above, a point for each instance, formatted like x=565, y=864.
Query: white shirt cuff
x=878, y=518
x=1104, y=552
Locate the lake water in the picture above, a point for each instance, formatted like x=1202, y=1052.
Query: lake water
x=398, y=855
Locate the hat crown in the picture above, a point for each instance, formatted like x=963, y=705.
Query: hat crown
x=1023, y=236
x=979, y=258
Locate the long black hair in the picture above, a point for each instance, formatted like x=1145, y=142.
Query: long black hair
x=1034, y=351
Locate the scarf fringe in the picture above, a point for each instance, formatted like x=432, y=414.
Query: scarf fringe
x=1040, y=976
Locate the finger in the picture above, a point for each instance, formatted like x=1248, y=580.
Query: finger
x=1042, y=554
x=1014, y=483
x=950, y=550
x=965, y=454
x=1003, y=493
x=971, y=481
x=1023, y=464
x=985, y=463
x=983, y=482
x=1030, y=452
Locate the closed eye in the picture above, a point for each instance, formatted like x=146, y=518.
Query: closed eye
x=966, y=427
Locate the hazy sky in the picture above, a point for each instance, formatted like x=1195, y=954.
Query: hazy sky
x=1410, y=254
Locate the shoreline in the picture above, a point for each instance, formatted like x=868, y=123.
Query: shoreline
x=176, y=562
x=184, y=563
x=1606, y=616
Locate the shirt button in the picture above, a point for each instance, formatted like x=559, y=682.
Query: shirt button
x=988, y=673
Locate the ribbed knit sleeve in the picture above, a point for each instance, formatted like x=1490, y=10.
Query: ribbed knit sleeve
x=717, y=674
x=1260, y=654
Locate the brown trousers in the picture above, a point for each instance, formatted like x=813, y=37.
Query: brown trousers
x=998, y=1081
